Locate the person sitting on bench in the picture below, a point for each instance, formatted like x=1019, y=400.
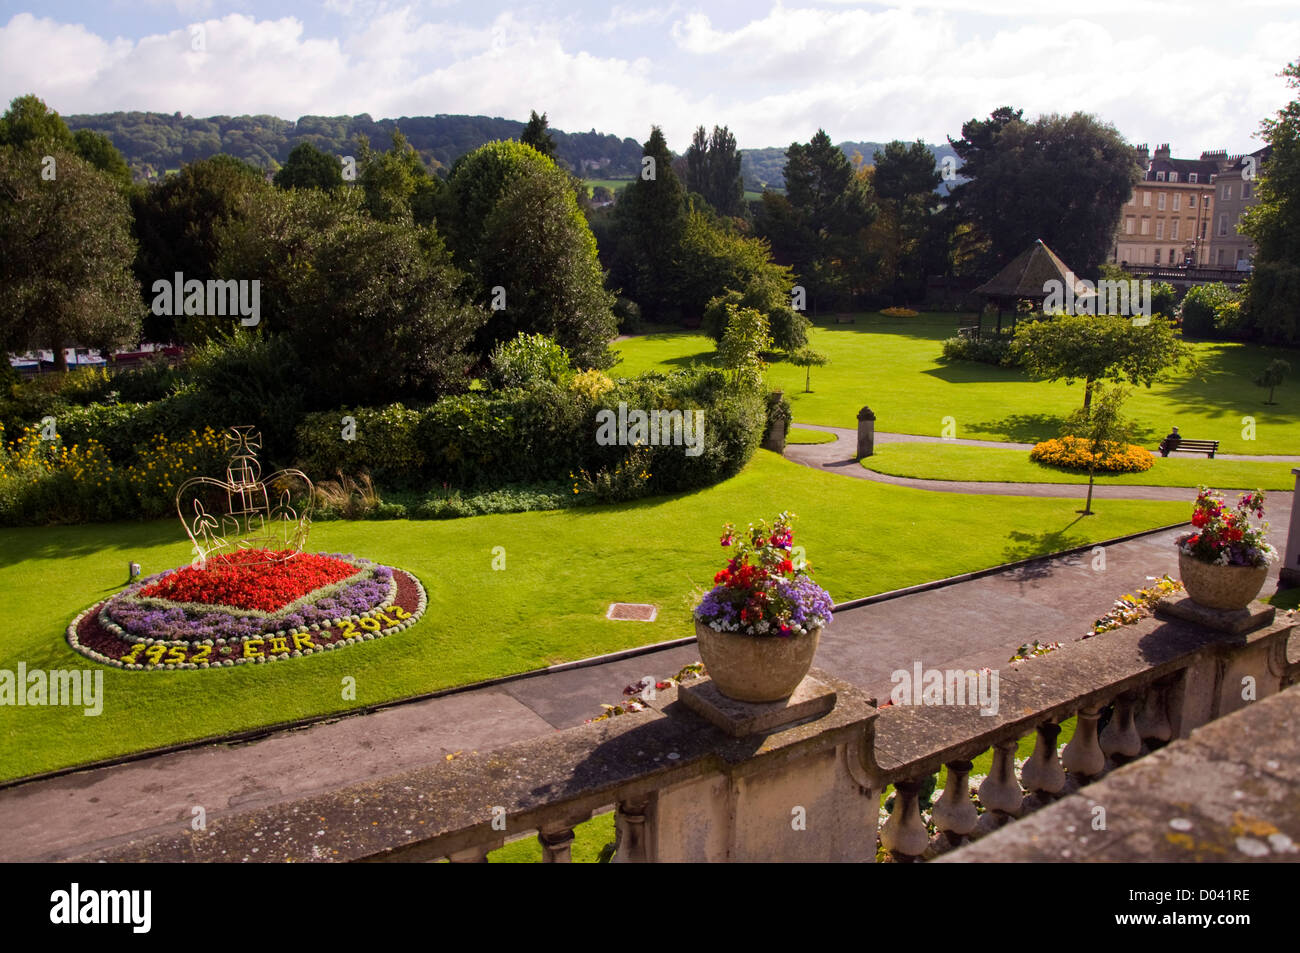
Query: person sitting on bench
x=1171, y=442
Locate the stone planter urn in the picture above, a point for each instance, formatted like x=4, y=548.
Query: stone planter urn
x=1220, y=587
x=756, y=668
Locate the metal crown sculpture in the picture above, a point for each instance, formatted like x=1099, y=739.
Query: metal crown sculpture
x=249, y=521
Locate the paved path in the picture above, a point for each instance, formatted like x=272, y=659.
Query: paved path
x=837, y=457
x=964, y=624
x=845, y=433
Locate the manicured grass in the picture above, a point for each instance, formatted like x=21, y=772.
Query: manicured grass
x=589, y=839
x=951, y=461
x=562, y=570
x=803, y=435
x=892, y=365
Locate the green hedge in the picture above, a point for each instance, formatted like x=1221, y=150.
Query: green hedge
x=546, y=433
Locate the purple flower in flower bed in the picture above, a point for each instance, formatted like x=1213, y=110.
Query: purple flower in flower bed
x=176, y=624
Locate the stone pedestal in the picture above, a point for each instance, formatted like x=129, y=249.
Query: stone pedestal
x=1289, y=574
x=1257, y=615
x=791, y=786
x=741, y=719
x=866, y=433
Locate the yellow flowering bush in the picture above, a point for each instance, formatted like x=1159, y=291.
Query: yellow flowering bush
x=46, y=481
x=591, y=384
x=900, y=312
x=1075, y=453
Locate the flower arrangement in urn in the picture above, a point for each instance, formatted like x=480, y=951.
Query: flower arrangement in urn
x=759, y=625
x=1225, y=561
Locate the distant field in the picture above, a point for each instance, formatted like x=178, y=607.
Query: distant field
x=612, y=184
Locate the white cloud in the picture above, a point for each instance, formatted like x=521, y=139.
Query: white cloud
x=899, y=69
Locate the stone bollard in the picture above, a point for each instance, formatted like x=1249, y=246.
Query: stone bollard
x=866, y=433
x=1289, y=574
x=775, y=438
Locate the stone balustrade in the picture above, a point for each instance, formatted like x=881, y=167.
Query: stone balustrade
x=699, y=778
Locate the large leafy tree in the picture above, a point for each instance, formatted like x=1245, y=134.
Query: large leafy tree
x=1273, y=290
x=30, y=124
x=177, y=223
x=1103, y=347
x=375, y=311
x=903, y=182
x=650, y=219
x=309, y=168
x=65, y=275
x=396, y=183
x=1063, y=179
x=514, y=224
x=818, y=227
x=713, y=170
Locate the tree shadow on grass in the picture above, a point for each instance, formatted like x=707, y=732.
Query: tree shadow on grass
x=1023, y=428
x=1023, y=545
x=975, y=372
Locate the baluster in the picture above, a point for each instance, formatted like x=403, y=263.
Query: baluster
x=954, y=814
x=556, y=845
x=1042, y=773
x=1083, y=756
x=1153, y=716
x=1120, y=736
x=629, y=822
x=904, y=833
x=1000, y=791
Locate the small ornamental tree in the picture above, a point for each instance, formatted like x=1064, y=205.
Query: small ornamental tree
x=1272, y=376
x=743, y=343
x=1103, y=426
x=1092, y=348
x=807, y=358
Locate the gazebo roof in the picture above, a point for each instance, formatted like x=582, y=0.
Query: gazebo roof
x=1026, y=274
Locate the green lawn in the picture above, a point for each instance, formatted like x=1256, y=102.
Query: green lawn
x=952, y=461
x=892, y=366
x=563, y=568
x=803, y=435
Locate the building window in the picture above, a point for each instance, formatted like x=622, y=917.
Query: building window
x=1178, y=201
x=1146, y=199
x=1191, y=201
x=1157, y=256
x=1204, y=227
x=1146, y=226
x=1160, y=176
x=1219, y=257
x=1160, y=229
x=1191, y=177
x=1241, y=254
x=1227, y=192
x=1173, y=230
x=1128, y=225
x=1160, y=201
x=1223, y=225
x=1173, y=177
x=1245, y=190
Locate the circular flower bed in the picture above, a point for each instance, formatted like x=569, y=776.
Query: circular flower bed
x=262, y=609
x=1075, y=453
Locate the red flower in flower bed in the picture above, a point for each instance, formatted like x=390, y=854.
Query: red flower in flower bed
x=267, y=587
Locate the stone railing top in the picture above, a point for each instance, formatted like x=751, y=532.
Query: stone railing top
x=916, y=740
x=550, y=782
x=1229, y=792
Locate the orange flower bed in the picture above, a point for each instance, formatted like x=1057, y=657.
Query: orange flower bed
x=1075, y=453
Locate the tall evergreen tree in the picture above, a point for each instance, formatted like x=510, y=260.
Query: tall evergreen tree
x=535, y=134
x=650, y=220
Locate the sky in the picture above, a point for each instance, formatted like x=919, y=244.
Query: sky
x=1198, y=75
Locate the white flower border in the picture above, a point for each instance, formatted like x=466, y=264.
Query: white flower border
x=421, y=606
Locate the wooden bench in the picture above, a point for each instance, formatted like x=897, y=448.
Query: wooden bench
x=1190, y=446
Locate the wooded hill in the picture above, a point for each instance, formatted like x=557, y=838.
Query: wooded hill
x=155, y=142
x=152, y=143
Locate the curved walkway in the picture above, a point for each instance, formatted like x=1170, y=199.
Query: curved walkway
x=837, y=457
x=884, y=437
